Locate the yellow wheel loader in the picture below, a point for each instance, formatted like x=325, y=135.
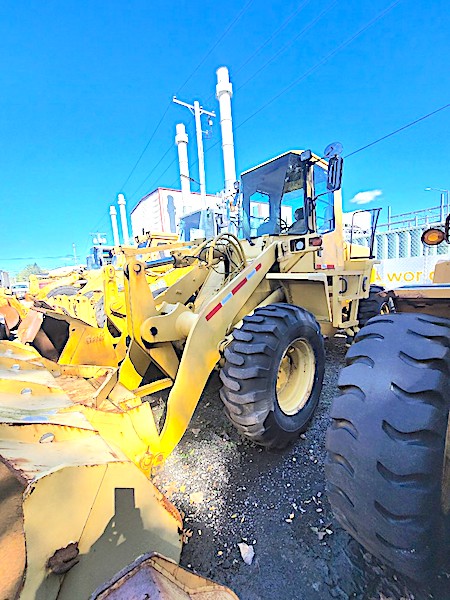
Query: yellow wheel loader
x=255, y=307
x=388, y=448
x=78, y=442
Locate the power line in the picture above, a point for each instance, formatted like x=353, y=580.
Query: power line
x=266, y=42
x=392, y=133
x=214, y=46
x=169, y=149
x=290, y=43
x=35, y=258
x=104, y=216
x=161, y=175
x=313, y=68
x=206, y=56
x=398, y=130
x=147, y=145
x=299, y=79
x=321, y=62
x=240, y=14
x=274, y=34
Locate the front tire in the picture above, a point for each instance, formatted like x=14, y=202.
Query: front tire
x=386, y=444
x=273, y=373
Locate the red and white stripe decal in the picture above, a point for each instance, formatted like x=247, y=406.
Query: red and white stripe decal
x=233, y=292
x=324, y=266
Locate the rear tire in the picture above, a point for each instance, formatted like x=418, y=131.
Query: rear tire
x=374, y=305
x=273, y=373
x=386, y=444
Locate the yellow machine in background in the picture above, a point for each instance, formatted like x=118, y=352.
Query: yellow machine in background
x=80, y=294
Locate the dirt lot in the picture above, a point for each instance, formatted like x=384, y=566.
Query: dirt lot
x=231, y=491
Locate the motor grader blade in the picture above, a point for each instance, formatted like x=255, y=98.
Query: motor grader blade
x=75, y=509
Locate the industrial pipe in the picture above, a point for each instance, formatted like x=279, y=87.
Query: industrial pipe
x=123, y=219
x=224, y=91
x=181, y=140
x=115, y=229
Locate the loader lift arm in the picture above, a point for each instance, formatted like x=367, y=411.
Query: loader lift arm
x=203, y=331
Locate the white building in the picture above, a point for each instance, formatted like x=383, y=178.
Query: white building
x=161, y=210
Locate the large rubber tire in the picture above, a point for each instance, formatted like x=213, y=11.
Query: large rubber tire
x=386, y=444
x=374, y=305
x=250, y=373
x=63, y=290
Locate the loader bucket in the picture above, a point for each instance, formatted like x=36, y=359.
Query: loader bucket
x=11, y=313
x=156, y=577
x=75, y=509
x=67, y=340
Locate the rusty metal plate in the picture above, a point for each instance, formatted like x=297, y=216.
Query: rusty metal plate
x=155, y=577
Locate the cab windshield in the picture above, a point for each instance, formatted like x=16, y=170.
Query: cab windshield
x=274, y=198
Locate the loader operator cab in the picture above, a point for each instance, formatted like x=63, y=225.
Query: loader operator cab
x=290, y=195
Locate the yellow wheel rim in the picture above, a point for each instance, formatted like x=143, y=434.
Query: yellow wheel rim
x=295, y=377
x=385, y=309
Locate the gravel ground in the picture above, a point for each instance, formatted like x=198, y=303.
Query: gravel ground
x=232, y=491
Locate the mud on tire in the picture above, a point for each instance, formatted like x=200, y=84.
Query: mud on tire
x=386, y=444
x=274, y=335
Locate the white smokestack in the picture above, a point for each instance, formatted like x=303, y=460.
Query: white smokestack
x=181, y=140
x=224, y=91
x=115, y=229
x=123, y=219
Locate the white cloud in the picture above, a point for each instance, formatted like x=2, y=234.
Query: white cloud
x=366, y=197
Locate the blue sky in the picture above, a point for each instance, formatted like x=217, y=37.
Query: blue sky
x=84, y=83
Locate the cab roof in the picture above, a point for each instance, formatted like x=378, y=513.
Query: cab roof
x=319, y=159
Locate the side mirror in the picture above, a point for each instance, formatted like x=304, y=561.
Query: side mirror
x=335, y=166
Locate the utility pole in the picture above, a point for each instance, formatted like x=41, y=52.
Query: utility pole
x=198, y=111
x=75, y=259
x=98, y=238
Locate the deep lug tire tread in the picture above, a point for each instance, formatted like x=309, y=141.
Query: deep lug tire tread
x=250, y=371
x=386, y=443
